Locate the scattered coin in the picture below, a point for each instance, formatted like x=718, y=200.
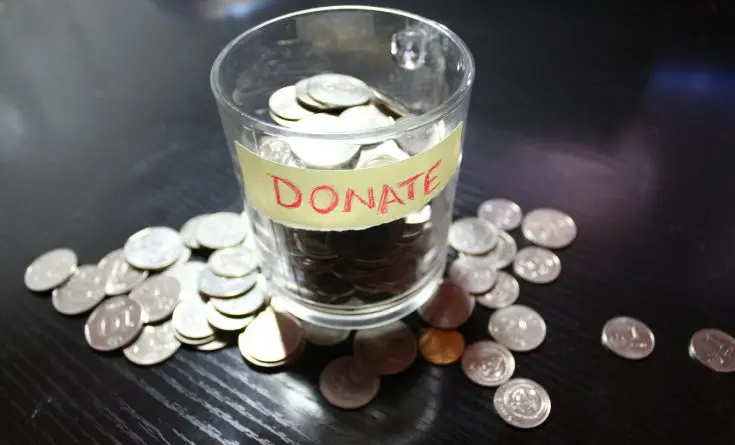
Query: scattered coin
x=220, y=230
x=242, y=305
x=187, y=275
x=323, y=336
x=522, y=403
x=154, y=345
x=114, y=324
x=440, y=346
x=549, y=228
x=283, y=104
x=271, y=337
x=385, y=350
x=190, y=320
x=234, y=262
x=224, y=322
x=450, y=308
x=222, y=287
x=193, y=341
x=189, y=231
x=628, y=338
x=121, y=276
x=50, y=270
x=503, y=214
x=488, y=363
x=471, y=276
x=213, y=345
x=517, y=327
x=473, y=236
x=714, y=349
x=503, y=294
x=501, y=256
x=158, y=297
x=338, y=90
x=82, y=292
x=153, y=248
x=537, y=265
x=345, y=384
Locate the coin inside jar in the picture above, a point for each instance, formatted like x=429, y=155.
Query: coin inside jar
x=441, y=346
x=338, y=90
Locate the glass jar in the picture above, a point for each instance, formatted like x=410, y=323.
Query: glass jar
x=351, y=212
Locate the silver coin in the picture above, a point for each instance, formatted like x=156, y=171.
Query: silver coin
x=503, y=294
x=189, y=231
x=472, y=277
x=187, y=275
x=234, y=262
x=223, y=322
x=537, y=265
x=153, y=248
x=713, y=348
x=317, y=153
x=385, y=153
x=420, y=216
x=390, y=103
x=365, y=117
x=549, y=228
x=323, y=336
x=338, y=90
x=222, y=229
x=271, y=338
x=449, y=308
x=190, y=320
x=473, y=236
x=277, y=150
x=386, y=350
x=183, y=258
x=114, y=324
x=345, y=385
x=154, y=345
x=193, y=341
x=216, y=286
x=158, y=297
x=50, y=270
x=82, y=292
x=214, y=345
x=121, y=276
x=499, y=257
x=423, y=138
x=281, y=121
x=242, y=305
x=517, y=327
x=283, y=104
x=628, y=338
x=488, y=363
x=503, y=214
x=522, y=403
x=302, y=95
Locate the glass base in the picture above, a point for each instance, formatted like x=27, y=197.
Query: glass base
x=359, y=317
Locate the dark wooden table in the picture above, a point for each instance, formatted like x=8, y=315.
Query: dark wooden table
x=620, y=114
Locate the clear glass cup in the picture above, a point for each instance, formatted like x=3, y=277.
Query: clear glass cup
x=351, y=276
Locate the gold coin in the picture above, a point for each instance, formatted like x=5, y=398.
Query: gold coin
x=441, y=346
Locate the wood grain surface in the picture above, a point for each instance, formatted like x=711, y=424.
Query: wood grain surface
x=619, y=113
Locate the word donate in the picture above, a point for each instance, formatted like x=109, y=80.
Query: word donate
x=348, y=199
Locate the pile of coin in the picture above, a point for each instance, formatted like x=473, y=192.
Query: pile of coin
x=357, y=266
x=152, y=296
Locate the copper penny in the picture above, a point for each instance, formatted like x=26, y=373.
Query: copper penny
x=441, y=346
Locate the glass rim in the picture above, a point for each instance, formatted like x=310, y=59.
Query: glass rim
x=386, y=132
